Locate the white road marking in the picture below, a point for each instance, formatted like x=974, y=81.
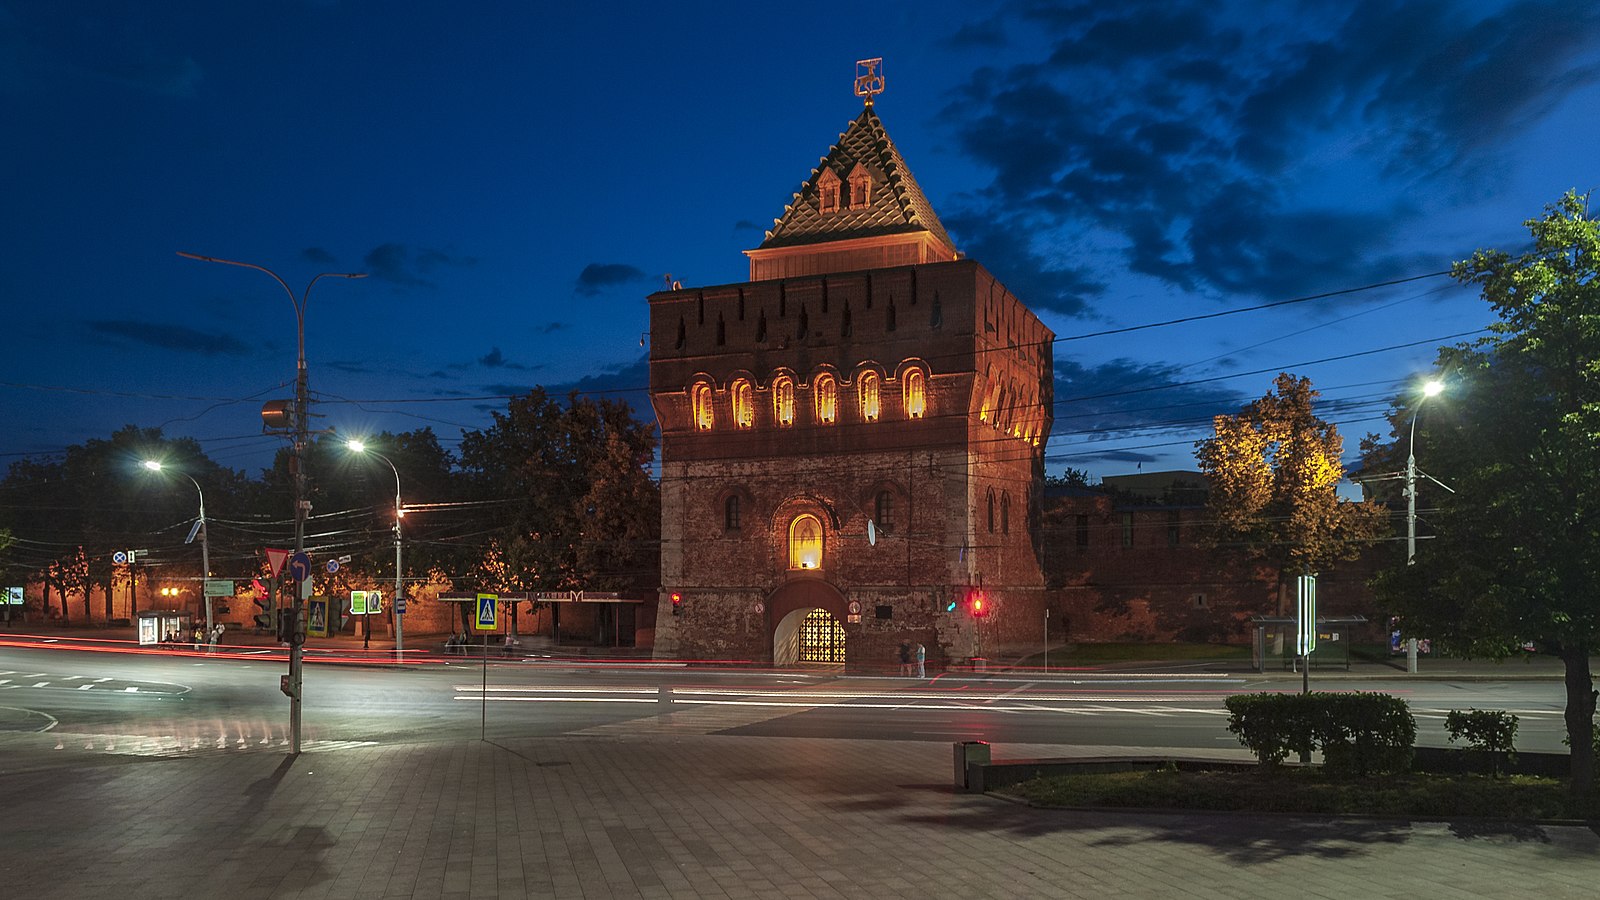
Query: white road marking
x=85, y=687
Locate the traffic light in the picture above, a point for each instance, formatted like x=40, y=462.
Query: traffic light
x=978, y=603
x=677, y=603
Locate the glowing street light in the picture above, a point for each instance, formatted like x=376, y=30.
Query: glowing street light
x=356, y=446
x=155, y=465
x=1432, y=388
x=302, y=437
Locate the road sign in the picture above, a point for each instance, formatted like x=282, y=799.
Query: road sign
x=275, y=559
x=218, y=587
x=300, y=566
x=399, y=606
x=1306, y=615
x=120, y=557
x=488, y=612
x=333, y=566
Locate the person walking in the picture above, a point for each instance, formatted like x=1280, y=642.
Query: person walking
x=905, y=659
x=922, y=660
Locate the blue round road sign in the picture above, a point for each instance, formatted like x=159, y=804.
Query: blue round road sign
x=300, y=566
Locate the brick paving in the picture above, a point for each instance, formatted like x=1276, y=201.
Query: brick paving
x=689, y=815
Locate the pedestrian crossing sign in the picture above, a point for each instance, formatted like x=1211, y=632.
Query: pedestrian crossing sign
x=488, y=612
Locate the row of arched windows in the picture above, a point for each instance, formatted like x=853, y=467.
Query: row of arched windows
x=824, y=398
x=1006, y=409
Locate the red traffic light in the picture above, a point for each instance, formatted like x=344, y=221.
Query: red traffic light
x=677, y=603
x=979, y=605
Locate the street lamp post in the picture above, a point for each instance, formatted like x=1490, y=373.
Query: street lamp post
x=1430, y=389
x=155, y=465
x=302, y=434
x=399, y=512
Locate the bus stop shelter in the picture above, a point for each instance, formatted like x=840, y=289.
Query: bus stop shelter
x=1275, y=639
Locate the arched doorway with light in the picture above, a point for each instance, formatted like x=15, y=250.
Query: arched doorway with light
x=807, y=616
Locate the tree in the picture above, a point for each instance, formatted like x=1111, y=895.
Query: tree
x=580, y=510
x=1516, y=552
x=1274, y=469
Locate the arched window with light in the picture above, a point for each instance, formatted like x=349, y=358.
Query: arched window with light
x=805, y=542
x=915, y=387
x=744, y=403
x=867, y=395
x=783, y=400
x=702, y=406
x=825, y=391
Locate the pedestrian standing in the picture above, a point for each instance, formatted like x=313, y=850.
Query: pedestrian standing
x=922, y=661
x=905, y=659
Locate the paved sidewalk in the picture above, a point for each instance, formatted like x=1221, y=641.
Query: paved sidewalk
x=682, y=815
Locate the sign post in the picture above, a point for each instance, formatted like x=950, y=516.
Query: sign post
x=1305, y=626
x=488, y=618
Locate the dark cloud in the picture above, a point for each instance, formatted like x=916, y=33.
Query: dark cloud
x=318, y=255
x=352, y=368
x=990, y=34
x=554, y=327
x=1041, y=285
x=746, y=225
x=407, y=266
x=628, y=382
x=1113, y=398
x=597, y=277
x=507, y=390
x=168, y=337
x=1188, y=138
x=494, y=359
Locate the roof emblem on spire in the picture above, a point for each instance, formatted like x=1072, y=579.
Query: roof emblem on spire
x=869, y=78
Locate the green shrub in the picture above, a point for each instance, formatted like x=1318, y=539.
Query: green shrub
x=1358, y=733
x=1488, y=731
x=1272, y=725
x=1365, y=733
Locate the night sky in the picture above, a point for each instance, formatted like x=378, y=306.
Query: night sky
x=515, y=178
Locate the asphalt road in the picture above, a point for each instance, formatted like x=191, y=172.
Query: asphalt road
x=170, y=704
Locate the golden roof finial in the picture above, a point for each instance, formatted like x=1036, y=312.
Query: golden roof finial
x=869, y=78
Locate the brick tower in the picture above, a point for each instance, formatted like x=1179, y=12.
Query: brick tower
x=853, y=439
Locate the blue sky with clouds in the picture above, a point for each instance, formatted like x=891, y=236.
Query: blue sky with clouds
x=515, y=178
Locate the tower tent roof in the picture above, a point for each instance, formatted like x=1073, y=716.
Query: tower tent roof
x=895, y=205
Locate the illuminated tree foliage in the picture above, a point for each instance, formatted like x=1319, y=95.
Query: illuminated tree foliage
x=580, y=510
x=1516, y=551
x=1273, y=470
